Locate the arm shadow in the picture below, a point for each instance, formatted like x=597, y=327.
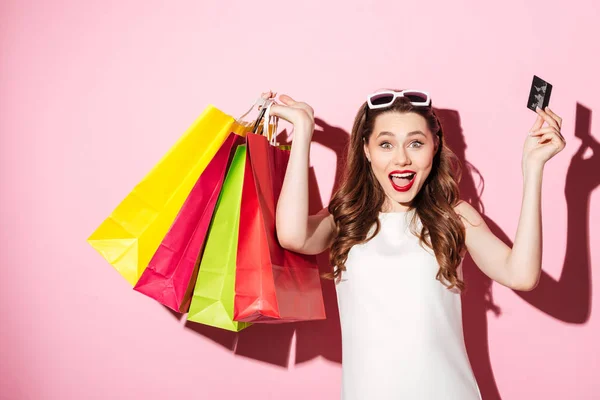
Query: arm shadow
x=566, y=299
x=569, y=298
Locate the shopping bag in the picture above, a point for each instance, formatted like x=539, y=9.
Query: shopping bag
x=213, y=296
x=129, y=237
x=171, y=273
x=272, y=285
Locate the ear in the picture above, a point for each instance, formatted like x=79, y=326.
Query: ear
x=437, y=144
x=366, y=150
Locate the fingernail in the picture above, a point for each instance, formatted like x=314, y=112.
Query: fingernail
x=537, y=108
x=547, y=108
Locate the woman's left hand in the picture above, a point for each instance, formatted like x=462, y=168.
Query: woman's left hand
x=543, y=143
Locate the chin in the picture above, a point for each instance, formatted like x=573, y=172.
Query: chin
x=404, y=200
x=401, y=198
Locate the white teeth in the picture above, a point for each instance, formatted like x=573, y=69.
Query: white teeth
x=404, y=175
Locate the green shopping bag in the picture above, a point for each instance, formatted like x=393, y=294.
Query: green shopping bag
x=214, y=293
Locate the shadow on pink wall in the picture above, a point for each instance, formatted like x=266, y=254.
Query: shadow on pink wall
x=567, y=299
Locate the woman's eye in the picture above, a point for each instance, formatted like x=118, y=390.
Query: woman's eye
x=416, y=142
x=386, y=145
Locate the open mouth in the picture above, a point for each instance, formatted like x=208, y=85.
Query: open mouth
x=402, y=181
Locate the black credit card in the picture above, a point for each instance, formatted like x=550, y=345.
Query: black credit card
x=539, y=95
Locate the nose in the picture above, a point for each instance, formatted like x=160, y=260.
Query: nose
x=401, y=157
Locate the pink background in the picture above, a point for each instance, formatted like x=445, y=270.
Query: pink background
x=93, y=93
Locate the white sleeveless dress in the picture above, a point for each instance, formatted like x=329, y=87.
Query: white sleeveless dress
x=402, y=335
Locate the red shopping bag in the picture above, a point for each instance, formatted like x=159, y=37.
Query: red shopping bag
x=171, y=275
x=272, y=285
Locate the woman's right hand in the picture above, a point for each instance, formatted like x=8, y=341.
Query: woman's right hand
x=298, y=113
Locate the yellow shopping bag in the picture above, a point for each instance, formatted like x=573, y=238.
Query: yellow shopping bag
x=129, y=237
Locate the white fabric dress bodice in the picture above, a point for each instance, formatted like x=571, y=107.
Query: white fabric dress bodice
x=402, y=335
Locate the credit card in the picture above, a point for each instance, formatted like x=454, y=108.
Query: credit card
x=539, y=94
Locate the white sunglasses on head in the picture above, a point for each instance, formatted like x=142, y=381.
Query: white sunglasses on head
x=386, y=98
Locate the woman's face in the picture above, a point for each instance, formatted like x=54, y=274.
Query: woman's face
x=401, y=149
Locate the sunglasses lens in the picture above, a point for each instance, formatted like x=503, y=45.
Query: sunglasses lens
x=416, y=96
x=381, y=99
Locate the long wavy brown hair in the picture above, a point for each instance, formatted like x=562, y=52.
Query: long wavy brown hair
x=356, y=204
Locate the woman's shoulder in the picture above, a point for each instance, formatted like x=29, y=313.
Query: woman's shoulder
x=468, y=214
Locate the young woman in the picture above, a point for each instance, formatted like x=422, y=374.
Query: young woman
x=397, y=233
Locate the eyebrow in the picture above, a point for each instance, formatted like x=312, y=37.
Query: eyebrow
x=386, y=133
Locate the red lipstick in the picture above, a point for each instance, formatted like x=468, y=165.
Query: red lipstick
x=407, y=186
